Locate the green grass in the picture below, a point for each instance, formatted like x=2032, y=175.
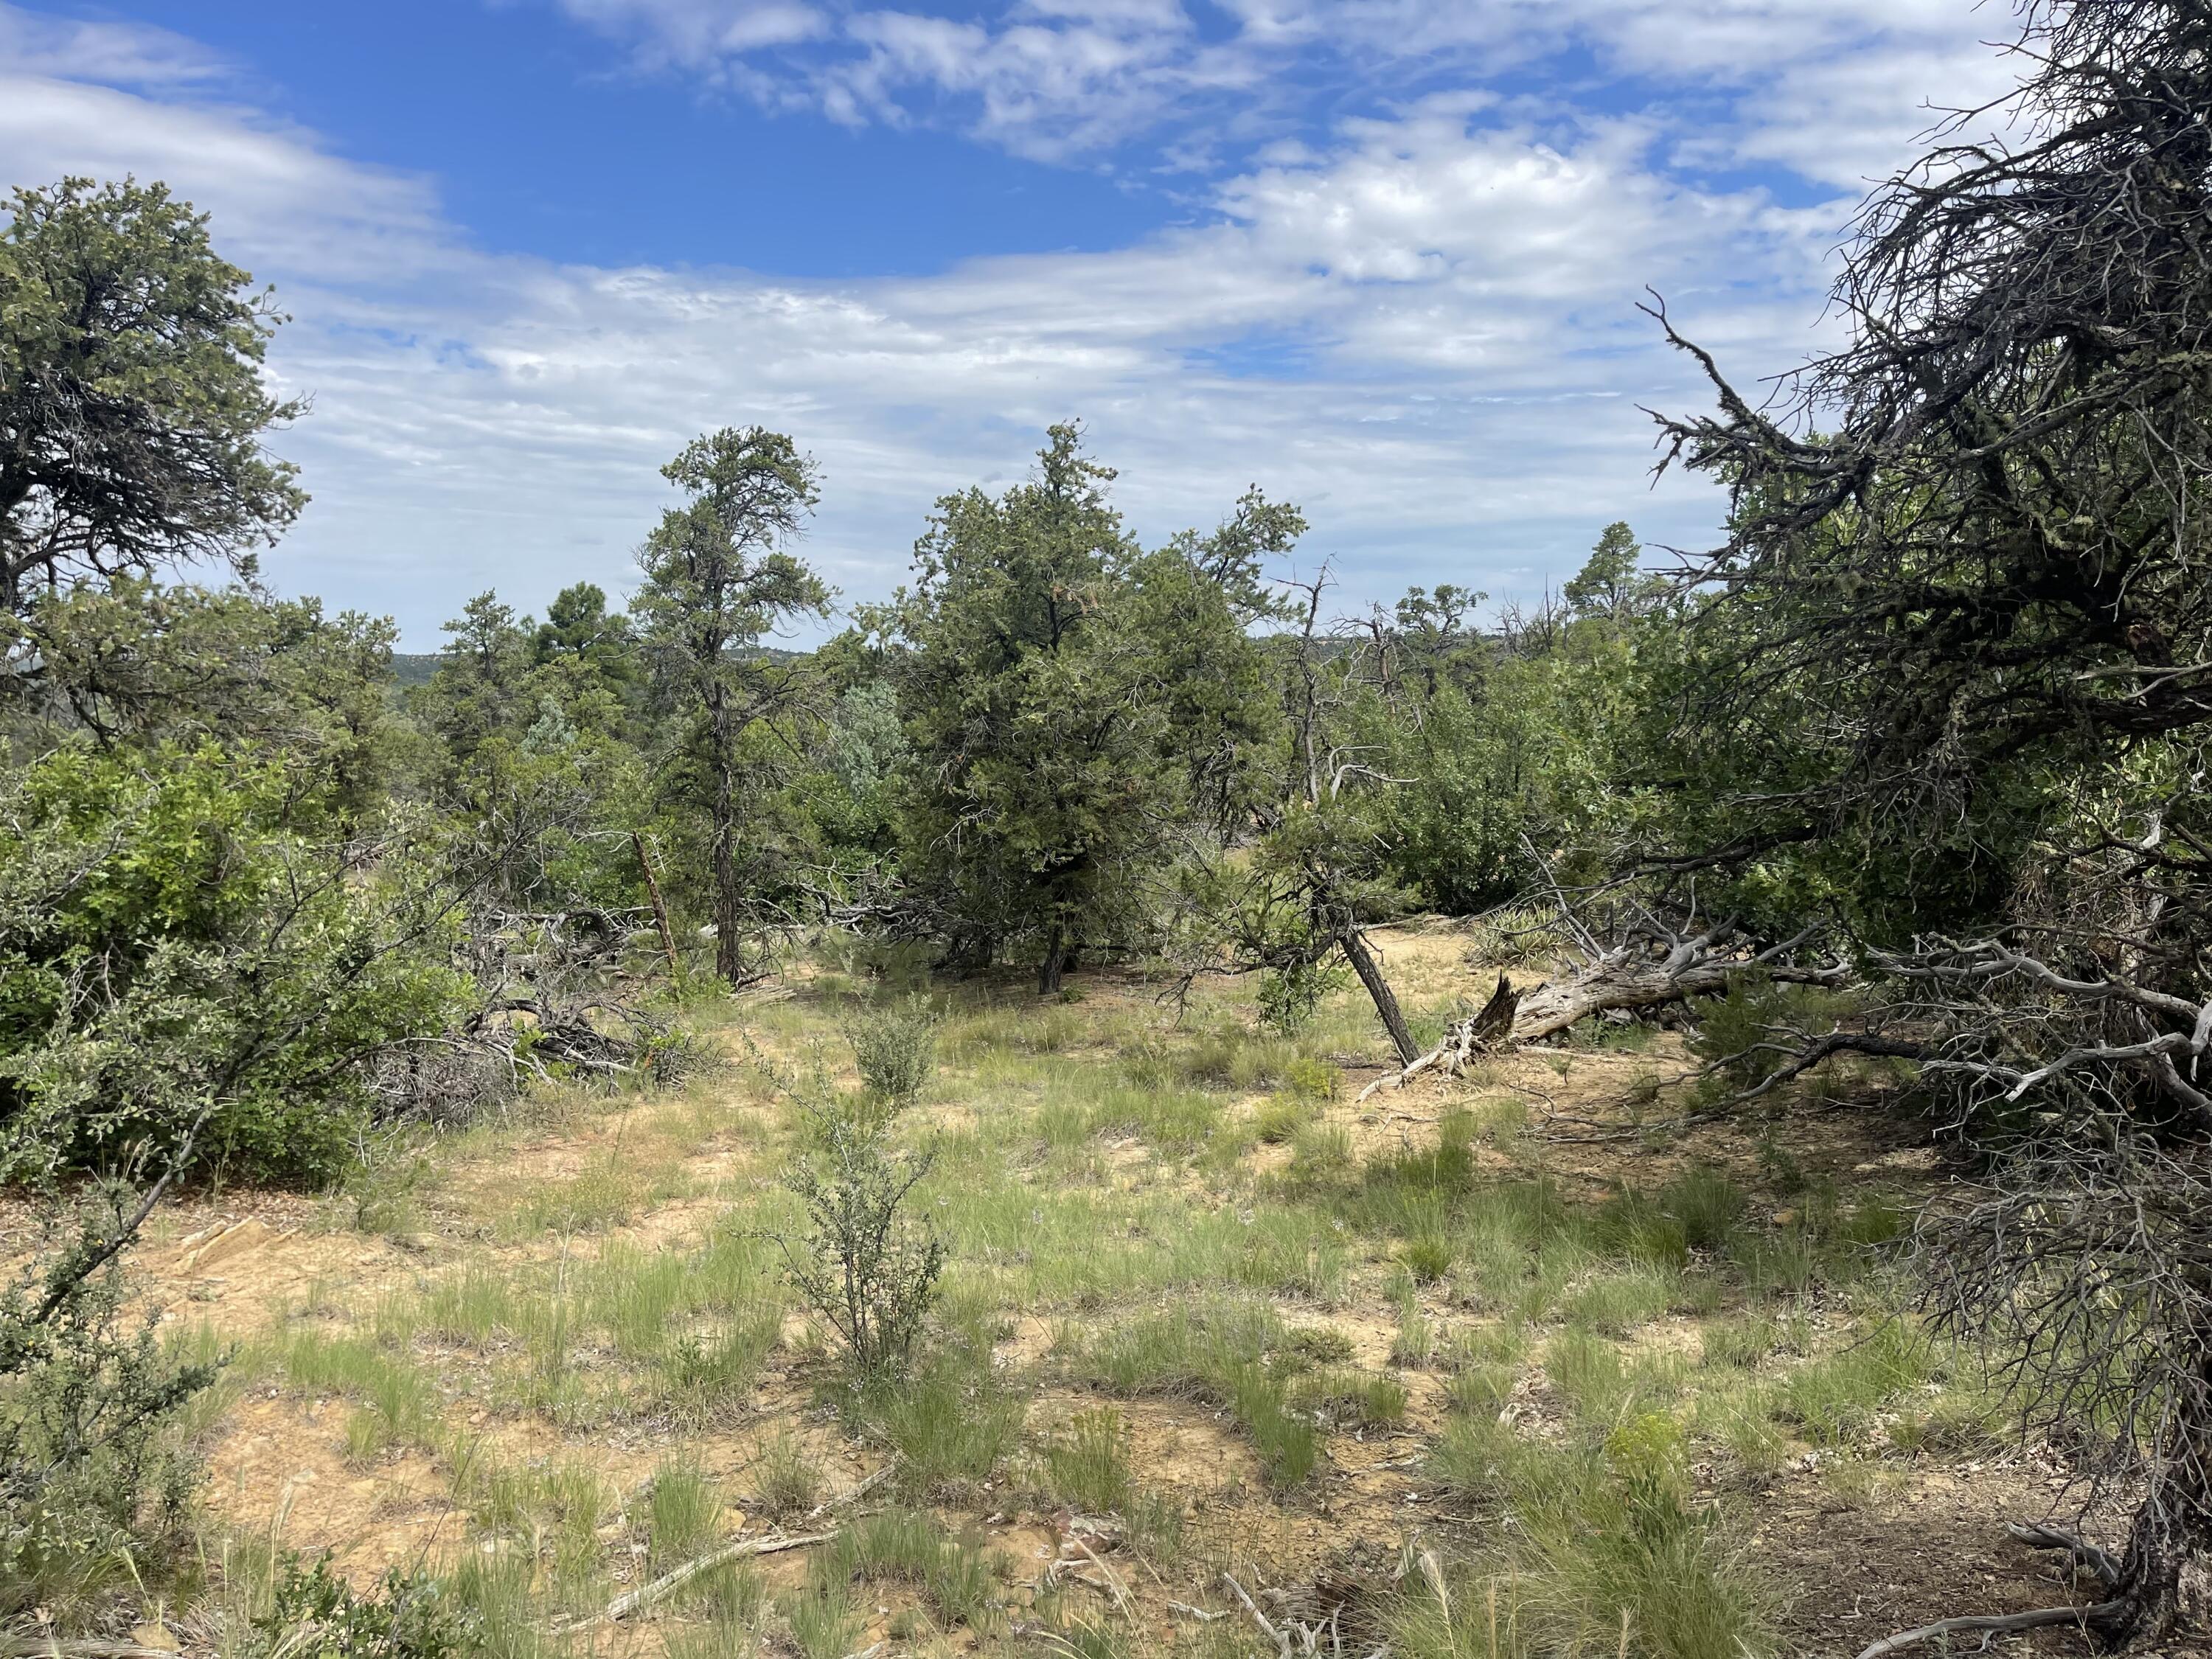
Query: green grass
x=909, y=1546
x=1836, y=1399
x=1607, y=1550
x=1219, y=1352
x=683, y=1512
x=952, y=1424
x=786, y=1482
x=1087, y=1464
x=1616, y=1303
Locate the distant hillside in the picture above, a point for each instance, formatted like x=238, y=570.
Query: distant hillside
x=413, y=667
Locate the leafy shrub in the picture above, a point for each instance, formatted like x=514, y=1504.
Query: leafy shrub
x=181, y=969
x=315, y=1614
x=93, y=1483
x=866, y=1266
x=894, y=1047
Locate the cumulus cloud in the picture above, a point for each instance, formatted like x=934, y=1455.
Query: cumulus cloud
x=1420, y=325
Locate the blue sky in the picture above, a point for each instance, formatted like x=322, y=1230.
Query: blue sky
x=1380, y=256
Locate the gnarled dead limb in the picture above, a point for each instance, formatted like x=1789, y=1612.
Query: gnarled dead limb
x=668, y=1584
x=2103, y=1612
x=2101, y=1563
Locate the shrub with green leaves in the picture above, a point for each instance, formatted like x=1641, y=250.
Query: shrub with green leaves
x=315, y=1614
x=180, y=966
x=894, y=1047
x=864, y=1264
x=96, y=1483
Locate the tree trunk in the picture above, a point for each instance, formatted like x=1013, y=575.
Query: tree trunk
x=1056, y=959
x=1633, y=977
x=2172, y=1529
x=728, y=962
x=1378, y=988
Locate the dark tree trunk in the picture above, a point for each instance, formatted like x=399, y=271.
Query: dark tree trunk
x=729, y=961
x=1055, y=963
x=2172, y=1529
x=1386, y=1003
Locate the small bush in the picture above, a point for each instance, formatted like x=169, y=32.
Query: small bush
x=315, y=1614
x=865, y=1265
x=94, y=1485
x=895, y=1048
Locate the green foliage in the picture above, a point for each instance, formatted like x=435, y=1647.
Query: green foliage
x=894, y=1047
x=866, y=1266
x=315, y=1614
x=716, y=580
x=130, y=392
x=181, y=967
x=909, y=1546
x=96, y=1479
x=1067, y=696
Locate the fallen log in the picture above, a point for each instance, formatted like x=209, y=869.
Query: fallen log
x=1655, y=966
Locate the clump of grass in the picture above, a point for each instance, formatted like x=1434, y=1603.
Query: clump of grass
x=1836, y=1399
x=1222, y=1353
x=1415, y=1342
x=1602, y=1387
x=1608, y=1551
x=1616, y=1303
x=1707, y=1205
x=824, y=1621
x=909, y=1547
x=1086, y=1465
x=1364, y=1399
x=395, y=1392
x=1279, y=1119
x=683, y=1513
x=951, y=1425
x=1737, y=1344
x=1428, y=1257
x=786, y=1482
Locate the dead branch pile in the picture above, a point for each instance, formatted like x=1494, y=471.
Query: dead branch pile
x=554, y=1000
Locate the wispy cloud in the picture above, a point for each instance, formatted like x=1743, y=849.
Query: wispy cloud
x=1419, y=324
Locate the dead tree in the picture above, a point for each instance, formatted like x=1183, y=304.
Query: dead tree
x=1965, y=605
x=1649, y=963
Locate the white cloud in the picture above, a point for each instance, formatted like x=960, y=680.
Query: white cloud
x=1822, y=86
x=1422, y=328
